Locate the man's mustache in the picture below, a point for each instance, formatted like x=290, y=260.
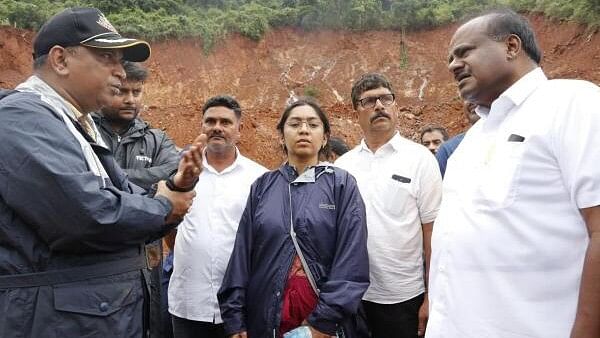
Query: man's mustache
x=379, y=114
x=213, y=134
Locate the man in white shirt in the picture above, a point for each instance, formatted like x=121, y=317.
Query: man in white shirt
x=516, y=245
x=400, y=183
x=205, y=237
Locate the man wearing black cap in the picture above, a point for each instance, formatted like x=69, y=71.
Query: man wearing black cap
x=72, y=227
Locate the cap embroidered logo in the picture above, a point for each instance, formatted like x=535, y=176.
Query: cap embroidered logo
x=103, y=21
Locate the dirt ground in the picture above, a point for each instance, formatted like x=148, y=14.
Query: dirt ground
x=262, y=75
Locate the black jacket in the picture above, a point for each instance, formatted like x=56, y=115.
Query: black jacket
x=64, y=238
x=147, y=155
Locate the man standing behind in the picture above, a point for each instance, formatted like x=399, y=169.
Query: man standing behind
x=337, y=148
x=447, y=148
x=433, y=137
x=517, y=241
x=146, y=155
x=400, y=183
x=205, y=237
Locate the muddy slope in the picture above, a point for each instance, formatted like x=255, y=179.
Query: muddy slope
x=262, y=75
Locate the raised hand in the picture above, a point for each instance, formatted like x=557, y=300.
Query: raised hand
x=190, y=165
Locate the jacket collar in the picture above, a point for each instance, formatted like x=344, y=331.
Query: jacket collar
x=136, y=127
x=310, y=175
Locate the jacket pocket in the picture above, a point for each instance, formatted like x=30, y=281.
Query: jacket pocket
x=99, y=310
x=96, y=300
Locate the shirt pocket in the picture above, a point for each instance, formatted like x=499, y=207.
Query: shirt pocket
x=394, y=194
x=499, y=185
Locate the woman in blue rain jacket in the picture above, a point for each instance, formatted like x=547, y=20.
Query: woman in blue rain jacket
x=322, y=207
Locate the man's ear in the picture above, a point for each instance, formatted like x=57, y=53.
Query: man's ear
x=239, y=131
x=240, y=125
x=513, y=46
x=58, y=60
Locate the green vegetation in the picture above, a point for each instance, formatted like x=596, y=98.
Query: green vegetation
x=212, y=19
x=312, y=91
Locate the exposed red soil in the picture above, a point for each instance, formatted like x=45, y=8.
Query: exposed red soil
x=263, y=74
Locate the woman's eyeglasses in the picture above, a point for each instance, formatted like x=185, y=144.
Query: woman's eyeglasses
x=297, y=124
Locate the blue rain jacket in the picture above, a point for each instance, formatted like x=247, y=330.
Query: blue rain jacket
x=329, y=219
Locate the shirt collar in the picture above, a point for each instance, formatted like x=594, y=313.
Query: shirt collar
x=515, y=94
x=235, y=164
x=393, y=143
x=87, y=122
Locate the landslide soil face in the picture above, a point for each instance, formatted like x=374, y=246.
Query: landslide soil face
x=262, y=76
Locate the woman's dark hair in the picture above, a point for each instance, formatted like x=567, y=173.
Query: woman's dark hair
x=306, y=101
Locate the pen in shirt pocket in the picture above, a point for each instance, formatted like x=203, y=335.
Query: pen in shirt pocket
x=516, y=138
x=401, y=179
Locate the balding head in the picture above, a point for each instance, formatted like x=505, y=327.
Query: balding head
x=486, y=57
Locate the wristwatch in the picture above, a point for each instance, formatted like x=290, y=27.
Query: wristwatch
x=171, y=185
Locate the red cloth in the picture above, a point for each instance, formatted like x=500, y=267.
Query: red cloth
x=299, y=299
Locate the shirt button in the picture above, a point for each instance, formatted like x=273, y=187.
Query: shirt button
x=104, y=306
x=278, y=294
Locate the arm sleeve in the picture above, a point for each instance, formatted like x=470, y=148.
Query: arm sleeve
x=429, y=195
x=348, y=279
x=442, y=158
x=576, y=141
x=164, y=163
x=232, y=295
x=46, y=182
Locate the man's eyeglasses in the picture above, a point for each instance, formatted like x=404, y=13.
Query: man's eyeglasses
x=297, y=124
x=371, y=101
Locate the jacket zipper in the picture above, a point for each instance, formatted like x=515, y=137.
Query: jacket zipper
x=309, y=274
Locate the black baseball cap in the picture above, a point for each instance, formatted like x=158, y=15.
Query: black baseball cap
x=86, y=27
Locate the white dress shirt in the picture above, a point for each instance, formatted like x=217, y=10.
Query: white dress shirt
x=509, y=241
x=205, y=239
x=401, y=186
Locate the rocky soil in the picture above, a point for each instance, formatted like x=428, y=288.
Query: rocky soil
x=262, y=75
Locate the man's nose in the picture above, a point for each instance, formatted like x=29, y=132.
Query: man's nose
x=454, y=66
x=119, y=71
x=217, y=126
x=128, y=97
